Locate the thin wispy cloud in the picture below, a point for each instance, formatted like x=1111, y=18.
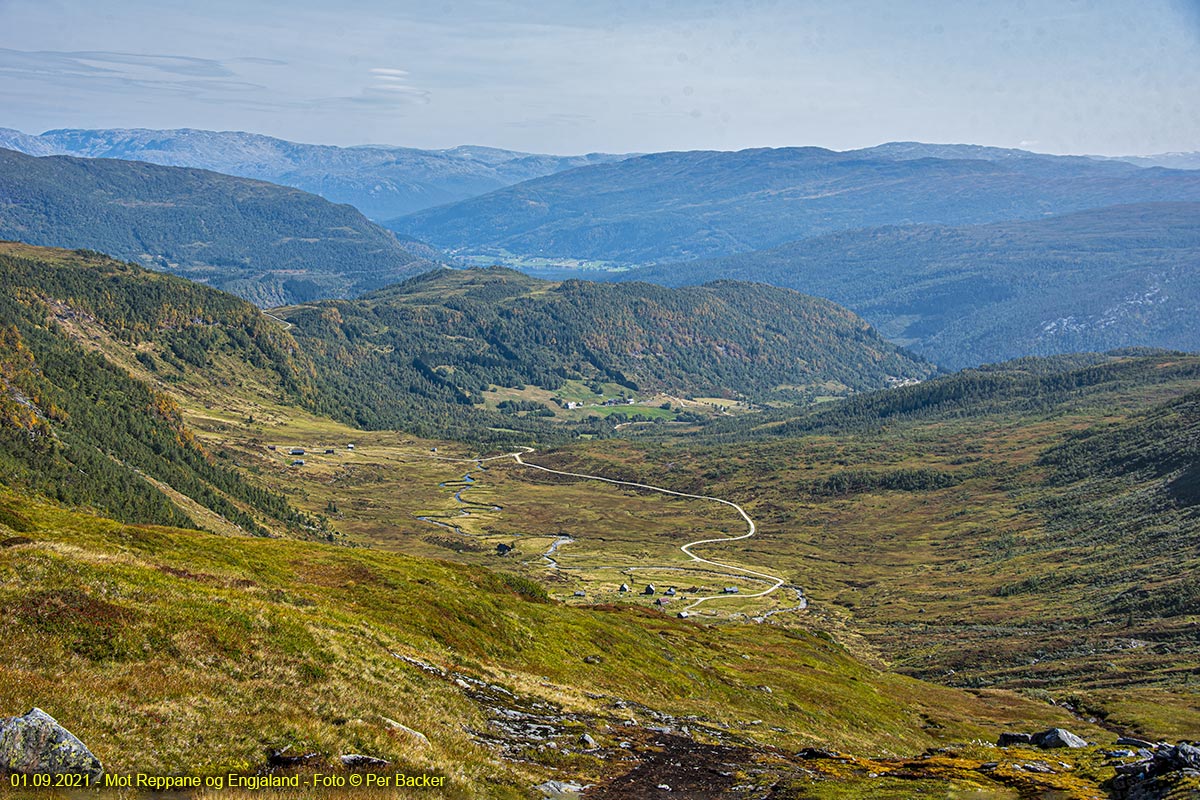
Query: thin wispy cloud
x=83, y=63
x=389, y=87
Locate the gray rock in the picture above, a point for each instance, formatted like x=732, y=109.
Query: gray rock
x=1058, y=737
x=587, y=741
x=553, y=789
x=356, y=761
x=1182, y=756
x=1008, y=739
x=1133, y=768
x=36, y=744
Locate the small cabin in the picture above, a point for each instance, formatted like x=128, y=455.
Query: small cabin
x=670, y=592
x=272, y=447
x=649, y=589
x=298, y=462
x=624, y=587
x=328, y=451
x=580, y=593
x=730, y=590
x=683, y=614
x=503, y=549
x=296, y=451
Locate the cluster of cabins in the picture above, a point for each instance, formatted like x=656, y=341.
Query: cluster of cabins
x=650, y=591
x=299, y=451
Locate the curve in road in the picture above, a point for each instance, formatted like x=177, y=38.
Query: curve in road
x=751, y=528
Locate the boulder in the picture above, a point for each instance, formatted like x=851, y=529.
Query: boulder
x=1008, y=739
x=587, y=741
x=37, y=744
x=1057, y=737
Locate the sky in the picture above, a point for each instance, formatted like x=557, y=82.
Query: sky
x=1105, y=77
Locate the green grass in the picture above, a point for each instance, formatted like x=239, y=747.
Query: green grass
x=1000, y=577
x=170, y=650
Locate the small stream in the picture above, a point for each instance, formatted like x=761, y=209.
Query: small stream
x=558, y=542
x=467, y=507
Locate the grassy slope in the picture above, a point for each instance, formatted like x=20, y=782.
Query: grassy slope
x=168, y=649
x=1044, y=549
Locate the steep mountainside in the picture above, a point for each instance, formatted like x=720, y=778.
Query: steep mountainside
x=79, y=428
x=266, y=243
x=380, y=181
x=678, y=206
x=1090, y=281
x=428, y=348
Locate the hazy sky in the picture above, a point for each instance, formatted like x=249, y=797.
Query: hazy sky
x=1066, y=76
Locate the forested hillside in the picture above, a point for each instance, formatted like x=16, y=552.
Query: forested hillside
x=422, y=353
x=680, y=206
x=266, y=243
x=1024, y=387
x=78, y=428
x=1091, y=281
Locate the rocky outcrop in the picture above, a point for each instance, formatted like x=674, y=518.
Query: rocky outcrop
x=1158, y=772
x=37, y=744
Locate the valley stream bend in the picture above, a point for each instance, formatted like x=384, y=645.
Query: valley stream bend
x=732, y=569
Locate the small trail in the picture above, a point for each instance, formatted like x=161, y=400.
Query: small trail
x=751, y=528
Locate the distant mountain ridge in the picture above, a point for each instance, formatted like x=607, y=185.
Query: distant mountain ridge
x=1093, y=280
x=379, y=180
x=1189, y=160
x=266, y=243
x=689, y=205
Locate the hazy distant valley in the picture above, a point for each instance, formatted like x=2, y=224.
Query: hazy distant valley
x=765, y=474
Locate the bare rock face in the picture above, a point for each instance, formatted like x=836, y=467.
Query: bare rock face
x=37, y=744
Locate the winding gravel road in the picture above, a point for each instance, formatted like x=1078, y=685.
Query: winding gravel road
x=751, y=528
